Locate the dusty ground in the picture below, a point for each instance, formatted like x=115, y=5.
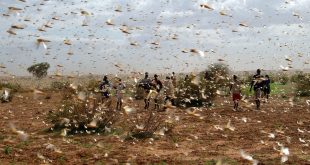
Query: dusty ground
x=201, y=137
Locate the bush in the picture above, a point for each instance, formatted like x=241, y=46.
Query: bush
x=215, y=78
x=295, y=77
x=93, y=85
x=188, y=92
x=144, y=125
x=14, y=87
x=57, y=85
x=80, y=115
x=302, y=84
x=283, y=79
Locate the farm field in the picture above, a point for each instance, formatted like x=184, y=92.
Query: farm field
x=199, y=135
x=104, y=82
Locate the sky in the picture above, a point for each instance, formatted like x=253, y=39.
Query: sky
x=158, y=36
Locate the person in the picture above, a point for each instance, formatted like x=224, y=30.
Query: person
x=235, y=89
x=105, y=87
x=146, y=85
x=119, y=94
x=207, y=76
x=174, y=80
x=186, y=79
x=267, y=87
x=157, y=84
x=168, y=91
x=257, y=83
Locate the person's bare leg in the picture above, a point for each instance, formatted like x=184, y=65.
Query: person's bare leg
x=148, y=103
x=156, y=103
x=117, y=104
x=237, y=105
x=257, y=104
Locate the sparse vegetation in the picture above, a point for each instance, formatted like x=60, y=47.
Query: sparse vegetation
x=216, y=84
x=58, y=85
x=7, y=150
x=93, y=85
x=80, y=113
x=144, y=125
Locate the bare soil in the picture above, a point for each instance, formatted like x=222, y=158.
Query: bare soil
x=199, y=137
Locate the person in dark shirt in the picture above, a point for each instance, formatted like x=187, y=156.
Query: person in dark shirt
x=267, y=89
x=258, y=84
x=146, y=85
x=104, y=87
x=174, y=80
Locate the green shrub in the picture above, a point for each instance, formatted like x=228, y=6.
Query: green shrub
x=295, y=77
x=214, y=78
x=14, y=87
x=188, y=92
x=302, y=85
x=7, y=150
x=283, y=79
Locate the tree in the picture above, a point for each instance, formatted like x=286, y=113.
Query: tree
x=39, y=70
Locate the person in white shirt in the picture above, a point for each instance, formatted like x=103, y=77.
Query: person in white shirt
x=168, y=90
x=157, y=86
x=120, y=86
x=235, y=89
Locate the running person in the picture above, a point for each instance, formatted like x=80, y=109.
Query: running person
x=258, y=83
x=119, y=94
x=146, y=85
x=235, y=89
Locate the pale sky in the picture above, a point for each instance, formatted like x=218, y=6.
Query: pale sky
x=276, y=28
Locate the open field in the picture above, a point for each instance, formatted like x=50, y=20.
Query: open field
x=199, y=136
x=154, y=82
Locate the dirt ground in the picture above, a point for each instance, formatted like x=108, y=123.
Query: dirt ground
x=200, y=135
